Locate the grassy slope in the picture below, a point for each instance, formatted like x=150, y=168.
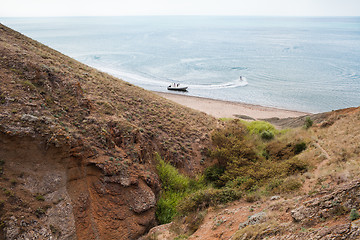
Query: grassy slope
x=77, y=106
x=81, y=102
x=91, y=118
x=332, y=154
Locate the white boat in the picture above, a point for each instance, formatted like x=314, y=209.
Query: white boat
x=177, y=87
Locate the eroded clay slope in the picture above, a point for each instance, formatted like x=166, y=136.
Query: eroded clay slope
x=77, y=145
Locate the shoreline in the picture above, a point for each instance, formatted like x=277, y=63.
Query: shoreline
x=229, y=109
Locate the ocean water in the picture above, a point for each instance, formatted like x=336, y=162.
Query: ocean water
x=305, y=64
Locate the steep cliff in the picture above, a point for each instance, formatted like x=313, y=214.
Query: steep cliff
x=77, y=145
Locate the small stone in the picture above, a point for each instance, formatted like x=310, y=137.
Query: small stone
x=29, y=118
x=253, y=219
x=298, y=214
x=273, y=198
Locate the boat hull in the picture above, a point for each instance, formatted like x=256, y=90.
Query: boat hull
x=181, y=89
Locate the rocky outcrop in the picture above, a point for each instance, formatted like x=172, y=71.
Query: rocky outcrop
x=339, y=232
x=334, y=204
x=63, y=197
x=254, y=219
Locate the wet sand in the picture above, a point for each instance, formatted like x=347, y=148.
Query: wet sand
x=227, y=109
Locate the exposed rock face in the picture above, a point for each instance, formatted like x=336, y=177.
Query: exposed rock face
x=337, y=203
x=40, y=194
x=70, y=199
x=77, y=146
x=340, y=232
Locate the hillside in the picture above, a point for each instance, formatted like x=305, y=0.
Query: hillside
x=84, y=155
x=77, y=146
x=321, y=201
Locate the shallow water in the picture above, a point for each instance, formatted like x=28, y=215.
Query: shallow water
x=305, y=64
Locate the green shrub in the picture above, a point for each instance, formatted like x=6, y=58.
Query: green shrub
x=40, y=197
x=354, y=214
x=234, y=132
x=290, y=185
x=274, y=184
x=194, y=220
x=249, y=164
x=181, y=237
x=213, y=173
x=226, y=119
x=252, y=197
x=258, y=127
x=205, y=198
x=174, y=187
x=167, y=206
x=308, y=122
x=294, y=165
x=299, y=147
x=265, y=154
x=267, y=135
x=339, y=210
x=29, y=85
x=249, y=184
x=39, y=212
x=170, y=177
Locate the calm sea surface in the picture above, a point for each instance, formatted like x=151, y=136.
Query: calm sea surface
x=306, y=64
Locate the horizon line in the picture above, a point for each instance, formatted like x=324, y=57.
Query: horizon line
x=184, y=15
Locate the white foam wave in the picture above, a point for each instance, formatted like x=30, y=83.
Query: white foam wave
x=231, y=84
x=138, y=79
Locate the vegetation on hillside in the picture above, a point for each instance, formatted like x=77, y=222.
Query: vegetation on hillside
x=181, y=195
x=249, y=161
x=97, y=121
x=94, y=119
x=247, y=164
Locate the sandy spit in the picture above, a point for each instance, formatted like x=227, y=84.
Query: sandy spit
x=227, y=109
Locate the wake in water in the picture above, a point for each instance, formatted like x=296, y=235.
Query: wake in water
x=137, y=79
x=233, y=84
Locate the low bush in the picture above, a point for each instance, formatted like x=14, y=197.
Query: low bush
x=274, y=184
x=354, y=214
x=267, y=135
x=249, y=164
x=39, y=212
x=258, y=127
x=293, y=166
x=290, y=185
x=252, y=197
x=170, y=177
x=167, y=206
x=194, y=220
x=213, y=174
x=308, y=123
x=299, y=147
x=205, y=198
x=40, y=197
x=174, y=187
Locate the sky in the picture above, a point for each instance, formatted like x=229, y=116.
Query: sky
x=45, y=8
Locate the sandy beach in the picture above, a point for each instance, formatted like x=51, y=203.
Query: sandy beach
x=227, y=109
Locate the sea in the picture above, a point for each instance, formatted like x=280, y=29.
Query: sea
x=309, y=64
